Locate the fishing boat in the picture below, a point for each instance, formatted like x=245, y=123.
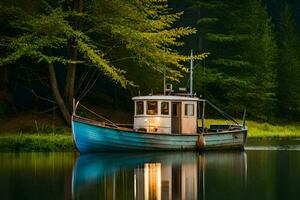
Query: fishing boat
x=161, y=122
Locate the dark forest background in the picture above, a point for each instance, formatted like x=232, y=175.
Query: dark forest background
x=253, y=63
x=254, y=60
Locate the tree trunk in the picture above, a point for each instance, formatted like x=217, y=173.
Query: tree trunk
x=71, y=67
x=57, y=96
x=71, y=75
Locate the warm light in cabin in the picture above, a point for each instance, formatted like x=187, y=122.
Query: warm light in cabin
x=153, y=124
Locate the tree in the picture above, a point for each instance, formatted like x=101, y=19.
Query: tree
x=260, y=51
x=240, y=71
x=288, y=66
x=76, y=33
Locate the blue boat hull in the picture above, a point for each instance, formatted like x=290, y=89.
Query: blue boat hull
x=91, y=137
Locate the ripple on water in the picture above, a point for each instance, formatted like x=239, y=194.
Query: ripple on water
x=273, y=148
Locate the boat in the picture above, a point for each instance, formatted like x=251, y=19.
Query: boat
x=167, y=122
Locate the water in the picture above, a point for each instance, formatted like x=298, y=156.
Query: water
x=263, y=171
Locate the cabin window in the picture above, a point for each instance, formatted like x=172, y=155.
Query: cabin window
x=189, y=109
x=139, y=108
x=151, y=107
x=164, y=108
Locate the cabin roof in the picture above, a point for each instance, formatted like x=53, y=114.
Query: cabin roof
x=166, y=98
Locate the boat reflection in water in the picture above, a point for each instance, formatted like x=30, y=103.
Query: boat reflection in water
x=185, y=175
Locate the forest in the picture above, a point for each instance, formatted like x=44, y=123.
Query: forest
x=103, y=52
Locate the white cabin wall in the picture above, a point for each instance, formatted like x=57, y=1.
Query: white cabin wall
x=150, y=122
x=163, y=123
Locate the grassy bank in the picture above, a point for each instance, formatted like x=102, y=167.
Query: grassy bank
x=36, y=142
x=266, y=130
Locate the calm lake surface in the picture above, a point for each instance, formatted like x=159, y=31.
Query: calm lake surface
x=266, y=170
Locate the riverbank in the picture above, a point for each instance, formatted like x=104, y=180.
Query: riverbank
x=36, y=142
x=62, y=141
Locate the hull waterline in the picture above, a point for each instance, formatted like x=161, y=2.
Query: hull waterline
x=91, y=137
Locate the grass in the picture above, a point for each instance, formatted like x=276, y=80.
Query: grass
x=33, y=123
x=36, y=142
x=265, y=130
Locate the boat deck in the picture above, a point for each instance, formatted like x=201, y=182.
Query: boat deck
x=214, y=129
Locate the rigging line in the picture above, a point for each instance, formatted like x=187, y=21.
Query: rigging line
x=224, y=114
x=49, y=110
x=82, y=78
x=99, y=116
x=91, y=86
x=87, y=84
x=203, y=82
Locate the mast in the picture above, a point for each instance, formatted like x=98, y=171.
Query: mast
x=191, y=73
x=165, y=81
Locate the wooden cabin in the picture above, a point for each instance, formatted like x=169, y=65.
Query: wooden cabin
x=166, y=114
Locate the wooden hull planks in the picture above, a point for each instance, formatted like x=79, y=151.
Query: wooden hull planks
x=92, y=137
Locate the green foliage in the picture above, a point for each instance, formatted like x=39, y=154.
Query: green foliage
x=100, y=34
x=261, y=52
x=134, y=42
x=289, y=66
x=226, y=37
x=143, y=28
x=240, y=71
x=207, y=20
x=30, y=142
x=146, y=34
x=44, y=34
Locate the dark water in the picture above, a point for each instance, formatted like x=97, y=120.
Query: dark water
x=261, y=172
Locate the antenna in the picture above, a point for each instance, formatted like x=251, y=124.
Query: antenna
x=191, y=74
x=165, y=81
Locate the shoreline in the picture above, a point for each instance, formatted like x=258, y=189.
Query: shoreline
x=64, y=142
x=36, y=143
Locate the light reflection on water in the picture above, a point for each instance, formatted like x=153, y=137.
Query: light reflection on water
x=153, y=175
x=208, y=175
x=257, y=173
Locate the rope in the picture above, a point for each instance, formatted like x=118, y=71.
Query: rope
x=99, y=116
x=89, y=85
x=82, y=78
x=224, y=114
